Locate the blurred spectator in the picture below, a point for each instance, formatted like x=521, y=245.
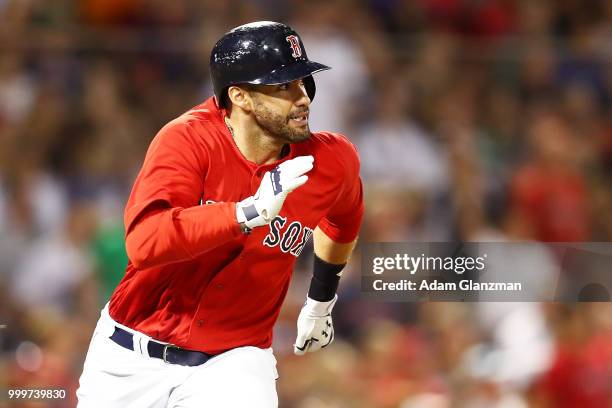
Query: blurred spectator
x=395, y=151
x=338, y=89
x=55, y=265
x=549, y=192
x=17, y=90
x=580, y=373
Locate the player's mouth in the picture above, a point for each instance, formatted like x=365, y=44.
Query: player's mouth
x=301, y=119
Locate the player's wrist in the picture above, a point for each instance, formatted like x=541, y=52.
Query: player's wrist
x=315, y=308
x=325, y=280
x=247, y=215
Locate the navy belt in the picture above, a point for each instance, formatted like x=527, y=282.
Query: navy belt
x=167, y=352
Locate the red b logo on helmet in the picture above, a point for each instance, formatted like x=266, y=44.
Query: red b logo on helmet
x=295, y=46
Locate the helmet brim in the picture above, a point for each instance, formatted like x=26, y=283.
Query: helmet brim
x=290, y=73
x=299, y=70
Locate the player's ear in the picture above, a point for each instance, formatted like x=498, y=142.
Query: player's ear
x=240, y=97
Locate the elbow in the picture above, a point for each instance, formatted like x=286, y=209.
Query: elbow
x=135, y=253
x=142, y=238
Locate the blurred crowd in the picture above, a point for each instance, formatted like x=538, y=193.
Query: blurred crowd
x=475, y=120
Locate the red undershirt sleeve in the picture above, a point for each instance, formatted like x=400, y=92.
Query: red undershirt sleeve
x=164, y=222
x=343, y=221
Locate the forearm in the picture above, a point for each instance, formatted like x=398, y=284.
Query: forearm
x=172, y=235
x=331, y=251
x=329, y=260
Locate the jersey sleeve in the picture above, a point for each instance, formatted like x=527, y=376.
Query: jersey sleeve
x=164, y=222
x=343, y=221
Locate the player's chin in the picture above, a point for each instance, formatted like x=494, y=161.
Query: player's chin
x=298, y=133
x=302, y=135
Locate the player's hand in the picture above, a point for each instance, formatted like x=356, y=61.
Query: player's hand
x=275, y=185
x=315, y=328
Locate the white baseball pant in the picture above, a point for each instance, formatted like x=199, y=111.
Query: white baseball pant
x=114, y=376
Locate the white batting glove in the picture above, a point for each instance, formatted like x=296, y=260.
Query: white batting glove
x=261, y=208
x=315, y=328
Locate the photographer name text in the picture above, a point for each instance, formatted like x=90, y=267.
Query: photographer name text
x=436, y=285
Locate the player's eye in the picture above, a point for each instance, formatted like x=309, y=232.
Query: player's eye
x=283, y=87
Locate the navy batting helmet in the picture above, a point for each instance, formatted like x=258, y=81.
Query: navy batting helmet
x=263, y=52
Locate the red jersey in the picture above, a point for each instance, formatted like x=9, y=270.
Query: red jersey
x=194, y=279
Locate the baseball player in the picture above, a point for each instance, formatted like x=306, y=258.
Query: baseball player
x=228, y=196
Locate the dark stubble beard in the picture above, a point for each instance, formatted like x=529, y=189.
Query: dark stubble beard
x=278, y=126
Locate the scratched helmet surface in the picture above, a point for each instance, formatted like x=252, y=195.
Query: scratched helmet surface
x=263, y=52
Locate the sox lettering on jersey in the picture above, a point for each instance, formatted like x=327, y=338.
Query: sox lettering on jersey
x=295, y=46
x=291, y=239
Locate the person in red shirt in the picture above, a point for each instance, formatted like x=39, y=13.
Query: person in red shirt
x=549, y=194
x=228, y=195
